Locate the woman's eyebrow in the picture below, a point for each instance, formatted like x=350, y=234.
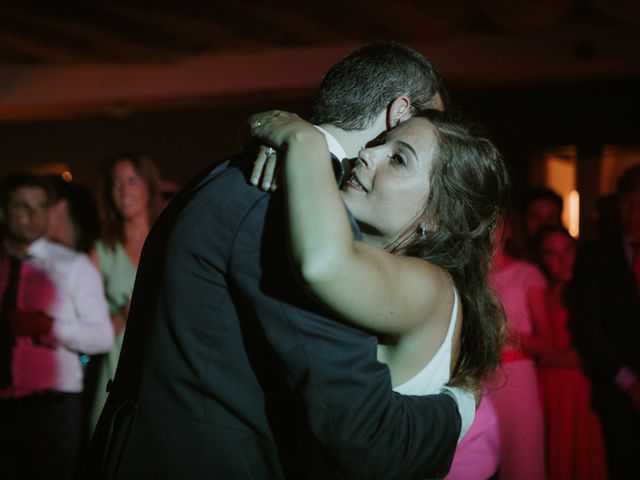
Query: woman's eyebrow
x=408, y=146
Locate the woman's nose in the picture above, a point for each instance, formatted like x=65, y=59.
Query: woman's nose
x=367, y=157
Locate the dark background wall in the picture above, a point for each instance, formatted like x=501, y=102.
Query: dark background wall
x=521, y=120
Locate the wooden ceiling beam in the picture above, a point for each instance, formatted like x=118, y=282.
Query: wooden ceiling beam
x=198, y=33
x=82, y=40
x=33, y=51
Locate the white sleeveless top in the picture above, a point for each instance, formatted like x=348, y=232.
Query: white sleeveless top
x=435, y=375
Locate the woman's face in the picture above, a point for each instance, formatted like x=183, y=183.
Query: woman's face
x=558, y=254
x=129, y=191
x=541, y=213
x=389, y=183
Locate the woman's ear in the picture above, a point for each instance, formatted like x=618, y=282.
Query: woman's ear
x=398, y=111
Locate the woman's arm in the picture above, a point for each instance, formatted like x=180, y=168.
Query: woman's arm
x=364, y=284
x=540, y=342
x=119, y=317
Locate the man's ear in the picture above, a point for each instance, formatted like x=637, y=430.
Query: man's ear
x=399, y=110
x=437, y=103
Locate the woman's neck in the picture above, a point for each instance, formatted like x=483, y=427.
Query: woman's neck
x=556, y=288
x=135, y=229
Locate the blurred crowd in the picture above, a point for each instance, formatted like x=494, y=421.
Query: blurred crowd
x=565, y=405
x=66, y=278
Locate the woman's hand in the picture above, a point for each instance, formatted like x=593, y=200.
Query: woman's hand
x=265, y=169
x=276, y=130
x=119, y=318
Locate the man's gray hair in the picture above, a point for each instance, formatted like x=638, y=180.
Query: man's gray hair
x=359, y=87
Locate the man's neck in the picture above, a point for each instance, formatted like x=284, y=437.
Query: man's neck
x=353, y=140
x=16, y=248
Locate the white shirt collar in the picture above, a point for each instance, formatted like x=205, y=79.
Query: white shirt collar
x=334, y=146
x=38, y=247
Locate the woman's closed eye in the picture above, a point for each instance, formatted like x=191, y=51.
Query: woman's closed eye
x=398, y=160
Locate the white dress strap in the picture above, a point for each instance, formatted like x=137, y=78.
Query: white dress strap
x=436, y=373
x=433, y=378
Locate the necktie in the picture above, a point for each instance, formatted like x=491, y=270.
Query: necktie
x=9, y=300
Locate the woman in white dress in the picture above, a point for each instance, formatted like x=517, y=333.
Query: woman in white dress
x=426, y=196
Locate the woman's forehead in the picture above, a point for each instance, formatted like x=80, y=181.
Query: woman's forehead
x=417, y=132
x=415, y=129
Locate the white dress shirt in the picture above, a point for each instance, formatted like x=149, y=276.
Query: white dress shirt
x=66, y=285
x=334, y=146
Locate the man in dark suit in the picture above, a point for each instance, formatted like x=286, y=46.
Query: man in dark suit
x=605, y=323
x=228, y=370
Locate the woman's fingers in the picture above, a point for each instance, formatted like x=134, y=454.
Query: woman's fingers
x=265, y=169
x=258, y=165
x=273, y=127
x=258, y=120
x=268, y=179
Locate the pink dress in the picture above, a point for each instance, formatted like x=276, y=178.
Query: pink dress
x=477, y=456
x=515, y=392
x=574, y=439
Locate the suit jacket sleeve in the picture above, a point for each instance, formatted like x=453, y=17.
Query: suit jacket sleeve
x=363, y=429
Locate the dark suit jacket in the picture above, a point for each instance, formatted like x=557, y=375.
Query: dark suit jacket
x=605, y=315
x=229, y=371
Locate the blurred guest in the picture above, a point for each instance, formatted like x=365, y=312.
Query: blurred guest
x=574, y=439
x=605, y=321
x=521, y=288
x=73, y=215
x=53, y=307
x=74, y=222
x=543, y=207
x=131, y=200
x=607, y=221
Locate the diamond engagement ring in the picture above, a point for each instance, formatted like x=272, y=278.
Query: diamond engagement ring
x=270, y=151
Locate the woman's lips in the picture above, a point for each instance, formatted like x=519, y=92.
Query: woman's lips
x=355, y=183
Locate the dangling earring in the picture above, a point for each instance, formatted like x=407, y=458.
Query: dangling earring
x=421, y=232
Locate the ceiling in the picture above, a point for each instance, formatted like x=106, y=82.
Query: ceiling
x=73, y=59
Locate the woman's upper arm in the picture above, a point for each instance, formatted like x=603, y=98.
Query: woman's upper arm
x=538, y=306
x=374, y=289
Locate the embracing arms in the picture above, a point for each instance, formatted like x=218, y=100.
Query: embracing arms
x=363, y=283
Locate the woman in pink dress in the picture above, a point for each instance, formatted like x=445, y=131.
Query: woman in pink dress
x=521, y=288
x=506, y=438
x=574, y=442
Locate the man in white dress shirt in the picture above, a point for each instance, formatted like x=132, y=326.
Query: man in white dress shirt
x=52, y=309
